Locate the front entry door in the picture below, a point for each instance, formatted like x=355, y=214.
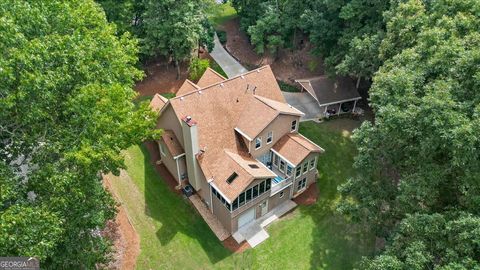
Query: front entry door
x=264, y=207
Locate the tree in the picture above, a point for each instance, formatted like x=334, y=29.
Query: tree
x=265, y=33
x=175, y=28
x=66, y=112
x=418, y=183
x=126, y=14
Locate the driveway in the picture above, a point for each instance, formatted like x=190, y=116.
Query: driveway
x=229, y=64
x=305, y=103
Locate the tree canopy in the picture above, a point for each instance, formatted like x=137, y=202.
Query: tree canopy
x=66, y=112
x=419, y=163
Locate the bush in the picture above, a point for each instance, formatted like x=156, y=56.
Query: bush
x=215, y=66
x=222, y=36
x=312, y=65
x=285, y=87
x=197, y=68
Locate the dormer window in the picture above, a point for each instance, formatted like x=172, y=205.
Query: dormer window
x=269, y=137
x=294, y=125
x=258, y=142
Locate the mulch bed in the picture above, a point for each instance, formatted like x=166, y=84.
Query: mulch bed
x=309, y=196
x=231, y=244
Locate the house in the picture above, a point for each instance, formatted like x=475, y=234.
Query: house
x=333, y=95
x=236, y=142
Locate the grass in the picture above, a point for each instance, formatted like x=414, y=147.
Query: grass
x=173, y=236
x=221, y=13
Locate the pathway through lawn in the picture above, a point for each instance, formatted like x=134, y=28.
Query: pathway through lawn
x=173, y=236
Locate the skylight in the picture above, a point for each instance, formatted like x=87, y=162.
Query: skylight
x=253, y=166
x=232, y=177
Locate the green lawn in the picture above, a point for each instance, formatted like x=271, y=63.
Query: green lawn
x=221, y=13
x=173, y=236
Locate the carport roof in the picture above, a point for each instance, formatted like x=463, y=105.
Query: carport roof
x=330, y=91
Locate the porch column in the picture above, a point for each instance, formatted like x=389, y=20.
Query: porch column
x=339, y=108
x=178, y=173
x=354, y=105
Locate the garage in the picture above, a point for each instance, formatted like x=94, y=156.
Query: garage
x=246, y=217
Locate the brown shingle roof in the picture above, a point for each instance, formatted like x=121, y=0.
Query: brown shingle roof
x=158, y=102
x=295, y=148
x=218, y=109
x=327, y=91
x=210, y=77
x=170, y=140
x=187, y=87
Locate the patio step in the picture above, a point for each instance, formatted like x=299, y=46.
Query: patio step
x=258, y=238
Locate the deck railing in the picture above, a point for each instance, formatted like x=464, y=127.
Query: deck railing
x=280, y=186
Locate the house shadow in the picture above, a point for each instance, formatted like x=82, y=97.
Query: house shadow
x=168, y=206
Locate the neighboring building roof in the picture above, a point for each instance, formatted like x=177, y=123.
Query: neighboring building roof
x=210, y=77
x=295, y=147
x=187, y=87
x=172, y=143
x=330, y=91
x=157, y=102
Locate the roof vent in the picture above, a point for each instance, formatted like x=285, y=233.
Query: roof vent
x=188, y=118
x=258, y=70
x=200, y=92
x=181, y=98
x=232, y=177
x=253, y=166
x=221, y=85
x=243, y=77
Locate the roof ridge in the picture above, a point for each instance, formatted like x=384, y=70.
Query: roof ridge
x=226, y=80
x=307, y=139
x=193, y=84
x=261, y=98
x=216, y=73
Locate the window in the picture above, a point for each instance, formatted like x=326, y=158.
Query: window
x=162, y=150
x=294, y=125
x=258, y=142
x=262, y=187
x=289, y=170
x=248, y=195
x=281, y=194
x=228, y=206
x=269, y=137
x=275, y=160
x=282, y=166
x=305, y=167
x=232, y=177
x=268, y=184
x=235, y=205
x=312, y=163
x=298, y=171
x=255, y=191
x=301, y=184
x=241, y=199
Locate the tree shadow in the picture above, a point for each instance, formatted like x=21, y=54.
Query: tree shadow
x=337, y=243
x=169, y=207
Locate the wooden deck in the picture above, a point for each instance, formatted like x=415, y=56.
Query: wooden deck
x=209, y=218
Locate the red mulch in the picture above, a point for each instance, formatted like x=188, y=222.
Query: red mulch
x=289, y=66
x=161, y=77
x=231, y=244
x=124, y=237
x=309, y=196
x=161, y=169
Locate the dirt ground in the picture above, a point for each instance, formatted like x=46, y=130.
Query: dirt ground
x=309, y=196
x=289, y=66
x=124, y=236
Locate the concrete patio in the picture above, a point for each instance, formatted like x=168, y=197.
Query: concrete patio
x=254, y=232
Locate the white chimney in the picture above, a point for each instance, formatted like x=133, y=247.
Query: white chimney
x=190, y=138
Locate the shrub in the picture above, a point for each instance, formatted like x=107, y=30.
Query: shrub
x=197, y=68
x=285, y=87
x=312, y=65
x=215, y=66
x=222, y=36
